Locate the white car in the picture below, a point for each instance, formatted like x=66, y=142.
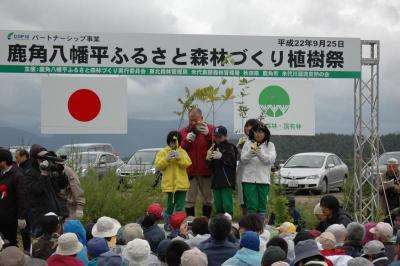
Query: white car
x=315, y=171
x=100, y=162
x=141, y=162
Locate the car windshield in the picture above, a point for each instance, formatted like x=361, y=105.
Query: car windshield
x=305, y=161
x=143, y=157
x=67, y=150
x=83, y=158
x=386, y=156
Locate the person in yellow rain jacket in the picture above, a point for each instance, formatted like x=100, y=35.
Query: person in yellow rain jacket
x=173, y=161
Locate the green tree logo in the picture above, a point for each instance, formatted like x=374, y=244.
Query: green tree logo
x=274, y=101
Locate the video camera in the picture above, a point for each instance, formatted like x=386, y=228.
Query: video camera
x=51, y=162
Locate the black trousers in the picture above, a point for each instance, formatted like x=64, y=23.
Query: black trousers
x=9, y=231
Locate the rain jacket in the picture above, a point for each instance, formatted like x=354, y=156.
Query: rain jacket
x=175, y=177
x=244, y=257
x=197, y=151
x=76, y=227
x=217, y=251
x=257, y=169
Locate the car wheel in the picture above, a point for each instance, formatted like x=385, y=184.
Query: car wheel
x=325, y=188
x=344, y=183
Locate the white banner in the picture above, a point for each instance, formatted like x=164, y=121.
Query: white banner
x=84, y=105
x=178, y=55
x=286, y=106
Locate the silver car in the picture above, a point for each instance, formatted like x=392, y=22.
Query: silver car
x=315, y=171
x=100, y=162
x=69, y=149
x=141, y=162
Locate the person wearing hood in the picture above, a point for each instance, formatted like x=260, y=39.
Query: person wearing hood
x=76, y=227
x=248, y=254
x=43, y=188
x=12, y=198
x=293, y=212
x=333, y=212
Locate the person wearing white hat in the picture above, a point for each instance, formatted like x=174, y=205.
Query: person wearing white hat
x=137, y=252
x=389, y=188
x=68, y=247
x=108, y=228
x=321, y=218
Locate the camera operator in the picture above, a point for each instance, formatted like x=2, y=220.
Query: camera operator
x=73, y=194
x=44, y=182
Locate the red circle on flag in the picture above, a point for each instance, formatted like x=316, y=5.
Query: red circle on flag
x=84, y=105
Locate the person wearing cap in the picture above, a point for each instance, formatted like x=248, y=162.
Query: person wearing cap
x=328, y=243
x=221, y=160
x=12, y=256
x=287, y=231
x=45, y=245
x=162, y=251
x=137, y=252
x=333, y=212
x=42, y=190
x=197, y=138
x=173, y=162
x=353, y=241
x=359, y=262
x=339, y=231
x=384, y=233
x=319, y=214
x=107, y=228
x=390, y=192
x=374, y=251
x=76, y=227
x=67, y=249
x=258, y=155
x=273, y=254
x=194, y=257
x=248, y=254
x=95, y=247
x=177, y=220
x=13, y=201
x=218, y=248
x=151, y=231
x=307, y=252
x=250, y=123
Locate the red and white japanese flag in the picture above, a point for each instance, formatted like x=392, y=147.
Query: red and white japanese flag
x=84, y=105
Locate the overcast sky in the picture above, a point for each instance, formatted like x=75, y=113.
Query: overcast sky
x=372, y=19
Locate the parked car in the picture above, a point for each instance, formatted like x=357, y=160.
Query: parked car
x=383, y=159
x=141, y=162
x=66, y=150
x=101, y=162
x=315, y=171
x=13, y=149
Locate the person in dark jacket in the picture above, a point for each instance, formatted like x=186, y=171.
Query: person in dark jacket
x=196, y=140
x=151, y=231
x=43, y=188
x=333, y=212
x=221, y=159
x=217, y=248
x=12, y=198
x=293, y=212
x=24, y=164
